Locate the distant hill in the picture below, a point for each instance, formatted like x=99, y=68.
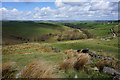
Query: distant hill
x=29, y=31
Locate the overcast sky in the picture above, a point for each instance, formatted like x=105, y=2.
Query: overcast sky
x=59, y=10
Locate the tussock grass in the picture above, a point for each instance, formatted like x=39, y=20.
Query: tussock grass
x=81, y=61
x=8, y=70
x=70, y=53
x=107, y=63
x=74, y=60
x=46, y=49
x=37, y=69
x=67, y=64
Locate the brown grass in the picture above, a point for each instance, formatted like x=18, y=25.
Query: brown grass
x=69, y=51
x=37, y=69
x=68, y=64
x=74, y=60
x=44, y=49
x=81, y=61
x=107, y=55
x=70, y=54
x=109, y=63
x=8, y=70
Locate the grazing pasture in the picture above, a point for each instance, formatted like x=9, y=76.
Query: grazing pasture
x=44, y=49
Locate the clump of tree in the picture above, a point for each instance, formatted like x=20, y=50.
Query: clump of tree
x=45, y=37
x=71, y=35
x=85, y=31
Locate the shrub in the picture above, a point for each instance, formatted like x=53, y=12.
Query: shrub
x=71, y=35
x=89, y=35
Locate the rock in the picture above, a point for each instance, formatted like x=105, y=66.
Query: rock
x=95, y=69
x=98, y=57
x=116, y=59
x=85, y=50
x=89, y=61
x=109, y=70
x=110, y=58
x=76, y=76
x=79, y=50
x=18, y=74
x=116, y=78
x=105, y=58
x=95, y=55
x=102, y=39
x=92, y=54
x=90, y=68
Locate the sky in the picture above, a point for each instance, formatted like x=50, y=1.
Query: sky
x=59, y=10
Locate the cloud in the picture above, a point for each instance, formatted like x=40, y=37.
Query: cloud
x=11, y=14
x=27, y=0
x=94, y=8
x=67, y=11
x=58, y=0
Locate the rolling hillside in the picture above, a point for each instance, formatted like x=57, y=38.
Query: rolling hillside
x=28, y=31
x=57, y=47
x=99, y=29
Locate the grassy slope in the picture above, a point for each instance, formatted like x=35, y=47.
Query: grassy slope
x=35, y=50
x=109, y=47
x=29, y=29
x=32, y=31
x=98, y=29
x=103, y=30
x=23, y=59
x=52, y=58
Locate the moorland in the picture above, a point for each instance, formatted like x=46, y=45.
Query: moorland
x=54, y=49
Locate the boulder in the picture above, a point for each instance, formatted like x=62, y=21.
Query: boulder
x=116, y=77
x=89, y=61
x=111, y=71
x=95, y=69
x=85, y=51
x=79, y=50
x=92, y=54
